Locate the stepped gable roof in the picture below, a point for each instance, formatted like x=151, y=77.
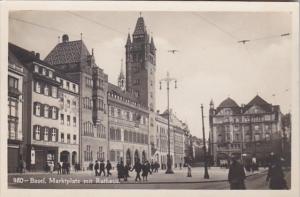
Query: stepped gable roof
x=140, y=27
x=68, y=52
x=257, y=100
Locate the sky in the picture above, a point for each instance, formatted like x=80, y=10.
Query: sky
x=210, y=63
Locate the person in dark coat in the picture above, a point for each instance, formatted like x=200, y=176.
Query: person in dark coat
x=108, y=167
x=146, y=170
x=102, y=168
x=275, y=175
x=96, y=168
x=126, y=171
x=58, y=168
x=236, y=175
x=120, y=169
x=137, y=167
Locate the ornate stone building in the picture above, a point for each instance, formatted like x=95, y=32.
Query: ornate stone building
x=251, y=130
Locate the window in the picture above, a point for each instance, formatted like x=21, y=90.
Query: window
x=54, y=134
x=62, y=137
x=12, y=105
x=130, y=136
x=43, y=71
x=112, y=111
x=118, y=134
x=36, y=68
x=37, y=87
x=74, y=121
x=112, y=155
x=46, y=134
x=268, y=137
x=118, y=156
x=54, y=91
x=119, y=113
x=74, y=139
x=12, y=128
x=37, y=134
x=68, y=120
x=46, y=111
x=126, y=136
x=112, y=134
x=46, y=90
x=37, y=109
x=68, y=103
x=74, y=103
x=68, y=85
x=13, y=82
x=62, y=119
x=50, y=74
x=54, y=113
x=74, y=87
x=68, y=138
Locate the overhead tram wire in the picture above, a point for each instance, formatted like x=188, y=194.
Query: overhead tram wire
x=48, y=28
x=97, y=23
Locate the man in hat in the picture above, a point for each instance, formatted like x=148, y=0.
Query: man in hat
x=236, y=175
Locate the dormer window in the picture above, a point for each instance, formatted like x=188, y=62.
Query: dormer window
x=36, y=68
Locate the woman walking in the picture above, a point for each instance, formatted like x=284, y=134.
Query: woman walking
x=275, y=175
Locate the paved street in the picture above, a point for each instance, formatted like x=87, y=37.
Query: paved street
x=160, y=180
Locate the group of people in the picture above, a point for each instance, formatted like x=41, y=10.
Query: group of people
x=275, y=176
x=100, y=167
x=63, y=168
x=145, y=168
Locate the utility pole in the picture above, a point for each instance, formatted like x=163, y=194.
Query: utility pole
x=168, y=80
x=206, y=175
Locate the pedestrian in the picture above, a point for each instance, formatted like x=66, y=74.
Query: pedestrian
x=64, y=167
x=96, y=168
x=189, y=170
x=236, y=175
x=21, y=166
x=51, y=166
x=108, y=167
x=152, y=166
x=275, y=175
x=120, y=169
x=137, y=167
x=180, y=165
x=156, y=166
x=145, y=170
x=102, y=168
x=68, y=166
x=126, y=171
x=58, y=168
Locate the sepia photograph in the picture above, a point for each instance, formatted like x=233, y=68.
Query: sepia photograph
x=156, y=100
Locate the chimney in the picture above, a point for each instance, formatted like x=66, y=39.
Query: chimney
x=65, y=38
x=37, y=55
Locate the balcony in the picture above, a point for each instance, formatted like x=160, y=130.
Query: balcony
x=14, y=92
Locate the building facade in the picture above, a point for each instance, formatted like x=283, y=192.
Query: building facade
x=251, y=130
x=177, y=140
x=74, y=59
x=15, y=112
x=73, y=114
x=68, y=95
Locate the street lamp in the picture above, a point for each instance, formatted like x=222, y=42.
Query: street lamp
x=168, y=80
x=206, y=176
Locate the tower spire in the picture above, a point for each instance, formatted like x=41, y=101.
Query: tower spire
x=121, y=78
